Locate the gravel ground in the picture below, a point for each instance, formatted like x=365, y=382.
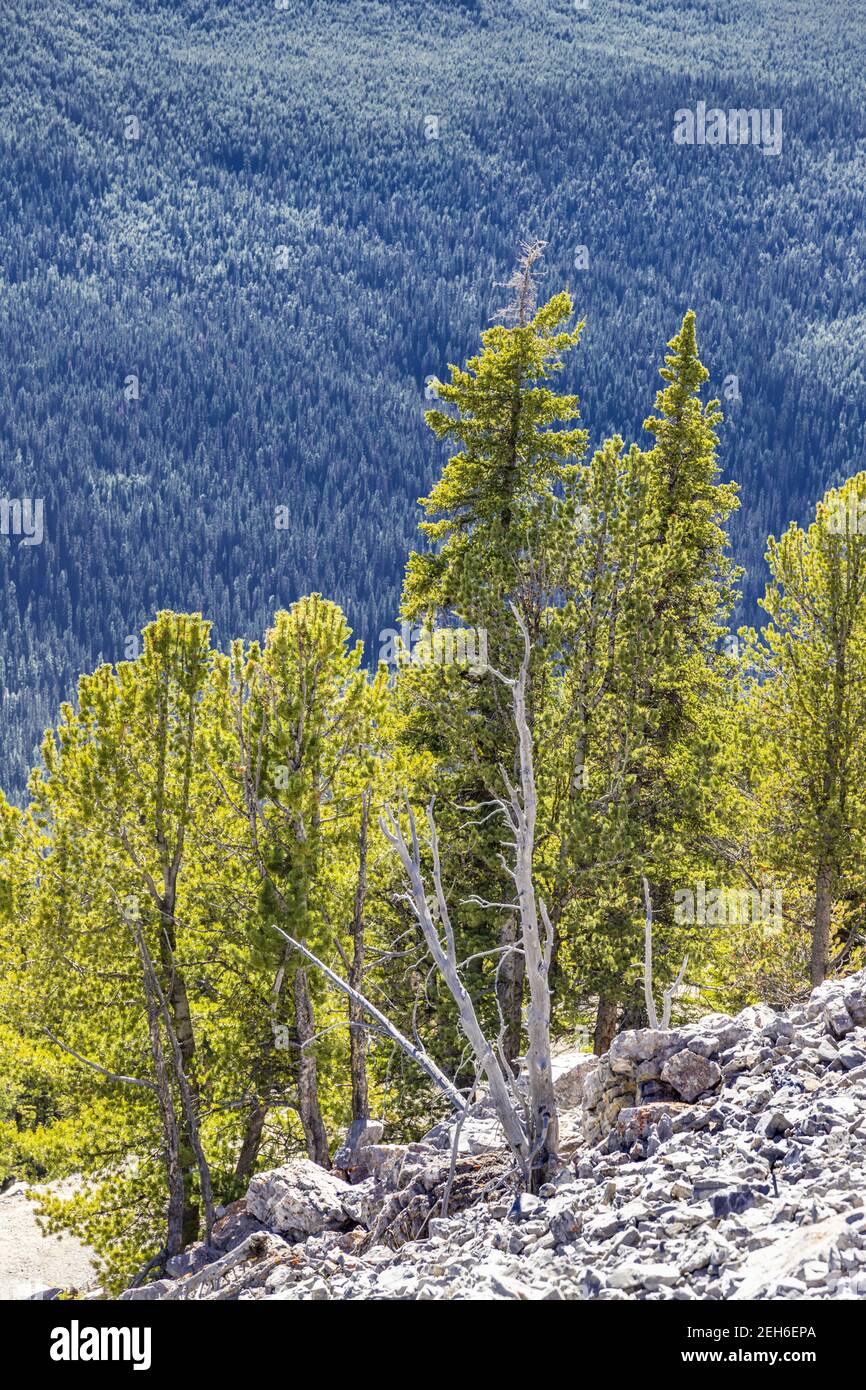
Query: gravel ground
x=30, y=1261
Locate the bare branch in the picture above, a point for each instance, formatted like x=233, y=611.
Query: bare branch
x=103, y=1071
x=416, y=1053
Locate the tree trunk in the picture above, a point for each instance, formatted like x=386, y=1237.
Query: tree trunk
x=192, y=1151
x=261, y=1080
x=308, y=1082
x=821, y=929
x=544, y=1122
x=538, y=953
x=174, y=988
x=509, y=991
x=357, y=1029
x=177, y=999
x=486, y=1061
x=251, y=1142
x=605, y=1024
x=176, y=1217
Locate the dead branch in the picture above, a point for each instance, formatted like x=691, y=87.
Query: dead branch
x=668, y=994
x=416, y=1053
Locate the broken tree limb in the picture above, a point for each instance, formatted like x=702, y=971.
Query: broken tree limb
x=103, y=1071
x=416, y=1053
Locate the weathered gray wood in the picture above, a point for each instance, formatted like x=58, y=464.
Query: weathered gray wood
x=668, y=994
x=416, y=1053
x=538, y=953
x=444, y=955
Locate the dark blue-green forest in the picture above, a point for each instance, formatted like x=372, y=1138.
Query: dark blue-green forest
x=237, y=239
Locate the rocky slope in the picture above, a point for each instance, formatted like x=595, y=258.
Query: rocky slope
x=722, y=1160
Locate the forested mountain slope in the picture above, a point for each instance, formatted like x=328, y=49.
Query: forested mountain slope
x=236, y=241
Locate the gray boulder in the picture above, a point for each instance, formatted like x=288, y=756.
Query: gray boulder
x=755, y=1016
x=637, y=1044
x=234, y=1226
x=855, y=1002
x=147, y=1293
x=837, y=1018
x=191, y=1260
x=690, y=1075
x=385, y=1161
x=640, y=1119
x=299, y=1199
x=570, y=1071
x=363, y=1201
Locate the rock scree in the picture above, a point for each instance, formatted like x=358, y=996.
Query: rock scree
x=725, y=1159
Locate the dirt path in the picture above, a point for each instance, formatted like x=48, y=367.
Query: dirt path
x=30, y=1261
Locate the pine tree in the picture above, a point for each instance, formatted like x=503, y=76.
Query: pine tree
x=510, y=457
x=299, y=752
x=809, y=701
x=487, y=520
x=645, y=589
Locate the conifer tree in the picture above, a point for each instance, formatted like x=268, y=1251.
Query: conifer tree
x=108, y=946
x=809, y=701
x=518, y=453
x=676, y=618
x=295, y=759
x=645, y=585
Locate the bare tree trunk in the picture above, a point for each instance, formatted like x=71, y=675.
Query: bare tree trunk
x=821, y=928
x=308, y=1082
x=444, y=955
x=357, y=1030
x=509, y=991
x=543, y=1119
x=605, y=1023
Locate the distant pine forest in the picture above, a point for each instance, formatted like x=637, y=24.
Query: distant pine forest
x=240, y=242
